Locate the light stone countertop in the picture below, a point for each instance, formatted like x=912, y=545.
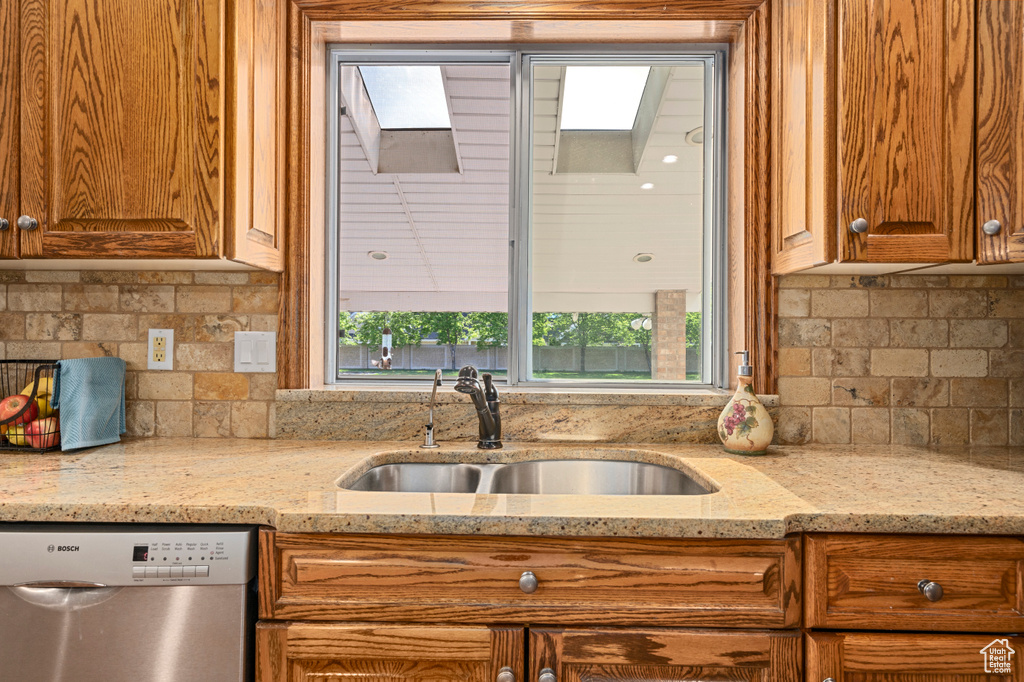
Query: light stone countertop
x=292, y=485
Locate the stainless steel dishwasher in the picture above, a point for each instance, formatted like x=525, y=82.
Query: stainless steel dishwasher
x=120, y=603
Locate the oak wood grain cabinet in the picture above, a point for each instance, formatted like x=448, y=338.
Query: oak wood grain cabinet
x=874, y=160
x=143, y=129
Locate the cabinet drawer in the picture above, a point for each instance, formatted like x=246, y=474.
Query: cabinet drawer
x=871, y=582
x=751, y=583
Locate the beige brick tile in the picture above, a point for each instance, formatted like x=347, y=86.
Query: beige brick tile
x=264, y=278
x=804, y=391
x=832, y=303
x=211, y=419
x=950, y=426
x=117, y=327
x=869, y=425
x=805, y=281
x=989, y=426
x=979, y=392
x=172, y=277
x=899, y=303
x=957, y=303
x=959, y=363
x=220, y=328
x=33, y=350
x=1016, y=428
x=860, y=391
x=1006, y=363
x=794, y=362
x=262, y=386
x=263, y=323
x=131, y=385
x=254, y=299
x=978, y=333
x=203, y=299
x=147, y=299
x=89, y=349
x=54, y=276
x=139, y=418
x=53, y=326
x=34, y=297
x=221, y=386
x=1016, y=392
x=183, y=326
x=794, y=302
x=1016, y=334
x=165, y=386
x=794, y=425
x=919, y=333
x=918, y=281
x=860, y=333
x=831, y=362
x=12, y=326
x=3, y=297
x=249, y=419
x=174, y=418
x=831, y=424
x=923, y=392
x=8, y=276
x=1006, y=303
x=859, y=281
x=109, y=277
x=805, y=332
x=91, y=298
x=899, y=362
x=978, y=281
x=910, y=426
x=222, y=277
x=134, y=354
x=205, y=357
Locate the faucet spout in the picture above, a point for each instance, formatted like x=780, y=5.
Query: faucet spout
x=485, y=400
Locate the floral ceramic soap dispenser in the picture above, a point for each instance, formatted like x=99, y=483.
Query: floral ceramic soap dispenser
x=744, y=426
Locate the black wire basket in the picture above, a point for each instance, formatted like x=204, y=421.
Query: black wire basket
x=28, y=421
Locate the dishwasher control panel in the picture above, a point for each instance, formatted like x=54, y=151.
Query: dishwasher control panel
x=126, y=555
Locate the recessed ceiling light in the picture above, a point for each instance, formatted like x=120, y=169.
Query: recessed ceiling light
x=670, y=158
x=695, y=137
x=643, y=257
x=647, y=185
x=378, y=255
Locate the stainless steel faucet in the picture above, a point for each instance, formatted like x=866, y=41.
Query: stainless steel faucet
x=428, y=438
x=485, y=399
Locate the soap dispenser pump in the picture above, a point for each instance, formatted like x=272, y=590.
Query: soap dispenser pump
x=745, y=426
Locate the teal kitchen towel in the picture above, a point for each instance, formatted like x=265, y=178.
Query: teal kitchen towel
x=89, y=392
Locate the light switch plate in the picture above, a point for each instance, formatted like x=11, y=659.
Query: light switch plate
x=255, y=351
x=160, y=351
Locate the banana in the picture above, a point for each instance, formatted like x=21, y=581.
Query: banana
x=43, y=395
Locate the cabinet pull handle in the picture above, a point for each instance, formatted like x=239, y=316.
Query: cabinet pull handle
x=859, y=226
x=528, y=584
x=547, y=675
x=27, y=223
x=991, y=227
x=4, y=224
x=506, y=675
x=931, y=591
x=829, y=679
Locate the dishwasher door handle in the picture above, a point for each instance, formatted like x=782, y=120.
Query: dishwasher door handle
x=59, y=583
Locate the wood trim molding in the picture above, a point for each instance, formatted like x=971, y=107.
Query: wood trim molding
x=300, y=346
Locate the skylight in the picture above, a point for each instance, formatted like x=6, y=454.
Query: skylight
x=406, y=97
x=602, y=97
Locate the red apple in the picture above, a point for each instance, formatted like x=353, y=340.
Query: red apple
x=13, y=404
x=43, y=433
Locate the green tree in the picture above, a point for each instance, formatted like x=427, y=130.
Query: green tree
x=693, y=330
x=451, y=329
x=347, y=329
x=406, y=328
x=623, y=334
x=489, y=329
x=581, y=330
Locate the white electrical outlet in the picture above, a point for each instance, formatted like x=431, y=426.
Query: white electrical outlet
x=160, y=353
x=255, y=351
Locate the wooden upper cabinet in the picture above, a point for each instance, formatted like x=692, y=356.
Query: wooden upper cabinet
x=9, y=19
x=1000, y=130
x=905, y=92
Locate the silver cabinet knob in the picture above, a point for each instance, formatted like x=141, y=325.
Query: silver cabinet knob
x=859, y=226
x=931, y=591
x=27, y=223
x=829, y=679
x=547, y=675
x=528, y=582
x=506, y=675
x=4, y=224
x=991, y=227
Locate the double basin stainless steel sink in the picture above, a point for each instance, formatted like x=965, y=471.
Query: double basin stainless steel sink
x=542, y=477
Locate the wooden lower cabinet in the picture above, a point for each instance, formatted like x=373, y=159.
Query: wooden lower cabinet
x=898, y=657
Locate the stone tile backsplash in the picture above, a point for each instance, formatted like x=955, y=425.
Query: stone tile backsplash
x=74, y=314
x=904, y=359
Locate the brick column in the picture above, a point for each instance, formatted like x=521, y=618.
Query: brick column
x=668, y=338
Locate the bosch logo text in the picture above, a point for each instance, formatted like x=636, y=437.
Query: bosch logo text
x=67, y=548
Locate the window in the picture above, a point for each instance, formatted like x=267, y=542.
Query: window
x=551, y=218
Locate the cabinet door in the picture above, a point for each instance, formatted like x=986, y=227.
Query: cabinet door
x=121, y=128
x=804, y=229
x=304, y=652
x=9, y=19
x=1000, y=146
x=665, y=655
x=905, y=96
x=885, y=657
